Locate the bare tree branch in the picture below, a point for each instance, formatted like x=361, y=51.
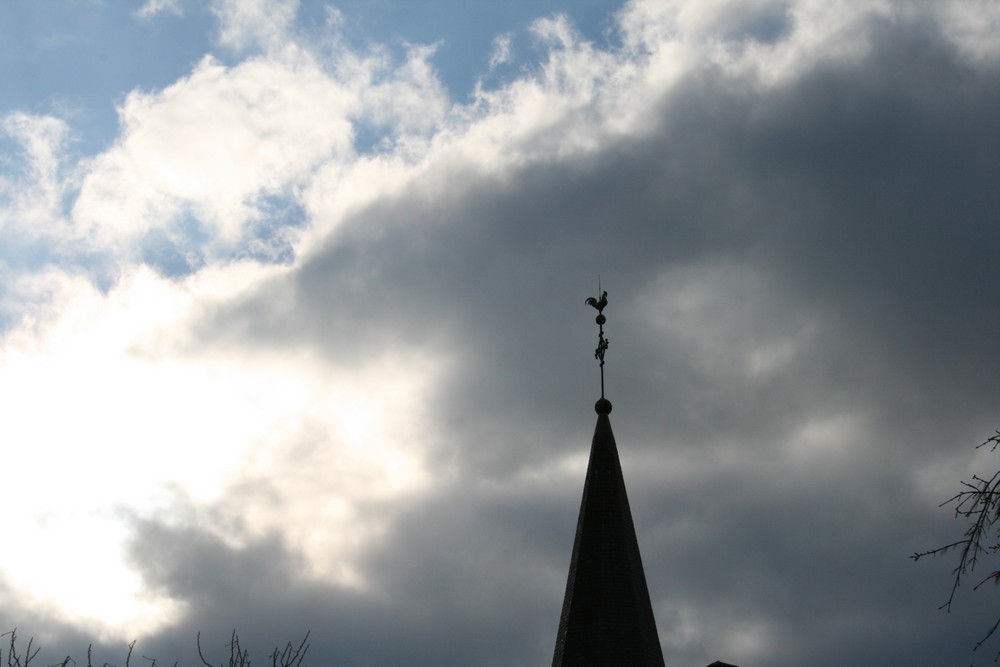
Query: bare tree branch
x=200, y=654
x=979, y=502
x=290, y=656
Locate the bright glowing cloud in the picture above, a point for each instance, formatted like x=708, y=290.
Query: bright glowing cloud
x=110, y=406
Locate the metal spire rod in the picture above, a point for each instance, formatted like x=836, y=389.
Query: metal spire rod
x=602, y=342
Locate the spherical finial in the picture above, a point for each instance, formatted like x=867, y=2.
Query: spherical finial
x=603, y=406
x=600, y=319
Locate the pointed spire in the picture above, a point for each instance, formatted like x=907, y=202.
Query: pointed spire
x=607, y=618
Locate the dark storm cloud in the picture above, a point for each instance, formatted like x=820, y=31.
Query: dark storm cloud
x=429, y=605
x=847, y=216
x=861, y=194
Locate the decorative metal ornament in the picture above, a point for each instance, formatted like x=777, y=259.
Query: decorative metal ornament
x=602, y=342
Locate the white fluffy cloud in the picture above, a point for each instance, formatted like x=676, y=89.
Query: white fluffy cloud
x=205, y=156
x=245, y=24
x=211, y=146
x=33, y=197
x=154, y=7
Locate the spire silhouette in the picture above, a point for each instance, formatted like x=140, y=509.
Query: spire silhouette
x=607, y=618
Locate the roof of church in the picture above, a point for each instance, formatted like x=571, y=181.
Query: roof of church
x=607, y=618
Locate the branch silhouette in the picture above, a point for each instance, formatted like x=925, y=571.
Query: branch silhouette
x=290, y=656
x=979, y=502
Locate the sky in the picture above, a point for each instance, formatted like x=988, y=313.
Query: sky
x=293, y=334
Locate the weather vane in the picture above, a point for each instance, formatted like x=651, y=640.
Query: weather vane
x=602, y=342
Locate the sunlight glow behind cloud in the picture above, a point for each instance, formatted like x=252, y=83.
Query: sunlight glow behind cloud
x=107, y=405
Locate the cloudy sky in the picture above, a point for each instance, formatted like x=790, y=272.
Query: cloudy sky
x=293, y=333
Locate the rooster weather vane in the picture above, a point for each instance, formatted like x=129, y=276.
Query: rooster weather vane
x=602, y=342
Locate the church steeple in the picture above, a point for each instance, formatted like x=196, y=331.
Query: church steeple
x=607, y=618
